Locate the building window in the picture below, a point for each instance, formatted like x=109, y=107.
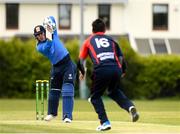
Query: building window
x=160, y=17
x=143, y=46
x=64, y=11
x=160, y=46
x=104, y=14
x=12, y=16
x=174, y=45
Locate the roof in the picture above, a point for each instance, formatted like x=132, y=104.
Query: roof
x=65, y=1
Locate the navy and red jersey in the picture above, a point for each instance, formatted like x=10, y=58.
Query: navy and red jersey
x=102, y=49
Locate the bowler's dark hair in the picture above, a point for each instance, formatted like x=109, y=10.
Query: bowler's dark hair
x=98, y=26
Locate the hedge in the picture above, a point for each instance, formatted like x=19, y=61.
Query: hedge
x=20, y=66
x=151, y=77
x=147, y=77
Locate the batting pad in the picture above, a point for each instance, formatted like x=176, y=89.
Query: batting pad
x=67, y=100
x=67, y=89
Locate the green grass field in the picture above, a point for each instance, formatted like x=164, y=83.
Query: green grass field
x=156, y=117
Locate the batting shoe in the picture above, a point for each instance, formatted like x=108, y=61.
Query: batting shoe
x=134, y=114
x=49, y=117
x=67, y=120
x=103, y=127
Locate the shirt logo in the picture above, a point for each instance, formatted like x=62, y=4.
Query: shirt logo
x=106, y=55
x=70, y=77
x=38, y=29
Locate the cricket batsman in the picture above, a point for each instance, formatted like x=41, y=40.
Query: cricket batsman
x=63, y=71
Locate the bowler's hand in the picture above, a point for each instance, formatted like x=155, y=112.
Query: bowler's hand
x=123, y=75
x=81, y=76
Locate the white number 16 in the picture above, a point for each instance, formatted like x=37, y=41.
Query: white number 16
x=102, y=42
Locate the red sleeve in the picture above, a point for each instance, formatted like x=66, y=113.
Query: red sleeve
x=84, y=50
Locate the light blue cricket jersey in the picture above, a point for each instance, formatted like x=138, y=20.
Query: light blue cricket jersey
x=54, y=50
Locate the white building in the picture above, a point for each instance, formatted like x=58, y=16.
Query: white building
x=153, y=26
